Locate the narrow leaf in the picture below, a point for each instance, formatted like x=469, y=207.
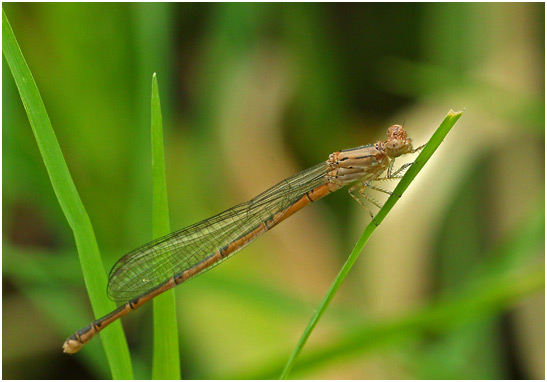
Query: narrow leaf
x=95, y=278
x=166, y=364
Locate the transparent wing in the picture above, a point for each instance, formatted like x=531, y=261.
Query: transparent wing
x=154, y=263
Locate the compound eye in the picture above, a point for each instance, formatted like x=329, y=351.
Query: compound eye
x=394, y=129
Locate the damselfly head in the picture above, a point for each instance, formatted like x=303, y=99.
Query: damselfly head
x=397, y=143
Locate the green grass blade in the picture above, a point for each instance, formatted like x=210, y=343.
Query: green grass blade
x=113, y=337
x=166, y=364
x=492, y=297
x=421, y=160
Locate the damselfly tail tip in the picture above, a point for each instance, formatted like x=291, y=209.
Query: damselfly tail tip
x=72, y=345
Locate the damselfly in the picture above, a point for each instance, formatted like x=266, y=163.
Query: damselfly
x=164, y=263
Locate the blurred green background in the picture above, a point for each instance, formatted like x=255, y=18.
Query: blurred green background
x=451, y=285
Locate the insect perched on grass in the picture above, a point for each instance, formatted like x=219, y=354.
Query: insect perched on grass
x=164, y=263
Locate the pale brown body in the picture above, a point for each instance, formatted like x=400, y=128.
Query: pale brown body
x=359, y=165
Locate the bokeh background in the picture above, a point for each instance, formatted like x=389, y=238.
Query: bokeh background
x=251, y=94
